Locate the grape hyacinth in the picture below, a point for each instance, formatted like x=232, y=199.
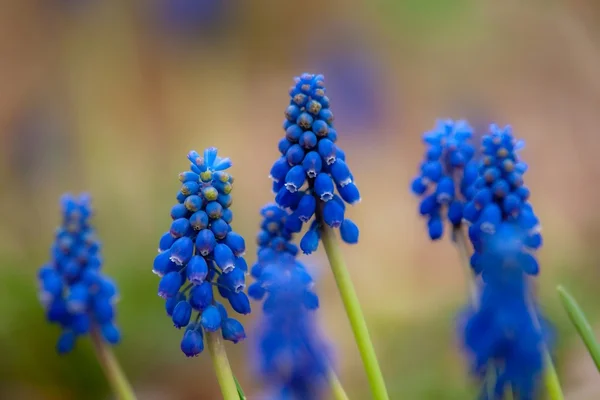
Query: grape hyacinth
x=312, y=167
x=273, y=240
x=292, y=355
x=503, y=335
x=499, y=195
x=74, y=292
x=202, y=250
x=446, y=175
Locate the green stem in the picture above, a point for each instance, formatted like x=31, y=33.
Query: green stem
x=581, y=323
x=336, y=387
x=222, y=367
x=355, y=315
x=553, y=388
x=462, y=245
x=112, y=369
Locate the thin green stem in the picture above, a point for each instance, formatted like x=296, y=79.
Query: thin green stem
x=355, y=315
x=551, y=382
x=117, y=379
x=462, y=245
x=581, y=323
x=222, y=368
x=336, y=387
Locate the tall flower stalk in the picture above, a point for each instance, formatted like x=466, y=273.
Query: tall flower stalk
x=312, y=180
x=293, y=357
x=75, y=293
x=200, y=254
x=480, y=193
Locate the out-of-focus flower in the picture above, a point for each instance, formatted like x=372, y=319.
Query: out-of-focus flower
x=293, y=358
x=505, y=335
x=201, y=251
x=74, y=292
x=312, y=167
x=446, y=175
x=193, y=18
x=499, y=194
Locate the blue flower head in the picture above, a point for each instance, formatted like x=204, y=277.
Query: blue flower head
x=506, y=331
x=293, y=359
x=499, y=194
x=446, y=175
x=74, y=292
x=201, y=251
x=312, y=167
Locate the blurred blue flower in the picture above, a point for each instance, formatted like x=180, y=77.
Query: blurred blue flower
x=194, y=18
x=446, y=175
x=505, y=334
x=357, y=79
x=74, y=292
x=292, y=357
x=312, y=167
x=201, y=249
x=499, y=194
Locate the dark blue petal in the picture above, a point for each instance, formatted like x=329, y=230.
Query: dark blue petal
x=295, y=178
x=205, y=242
x=323, y=186
x=239, y=302
x=196, y=270
x=350, y=193
x=333, y=214
x=211, y=319
x=349, y=232
x=182, y=314
x=232, y=330
x=170, y=284
x=192, y=343
x=224, y=257
x=182, y=250
x=201, y=296
x=312, y=164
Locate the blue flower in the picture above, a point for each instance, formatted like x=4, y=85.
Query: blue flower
x=74, y=292
x=200, y=251
x=499, y=194
x=446, y=175
x=293, y=359
x=312, y=167
x=505, y=331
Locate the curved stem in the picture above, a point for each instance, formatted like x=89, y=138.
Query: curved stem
x=355, y=315
x=581, y=323
x=336, y=386
x=117, y=379
x=553, y=388
x=222, y=367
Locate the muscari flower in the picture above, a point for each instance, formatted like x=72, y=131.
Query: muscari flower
x=292, y=356
x=505, y=334
x=74, y=292
x=446, y=175
x=312, y=167
x=499, y=195
x=201, y=251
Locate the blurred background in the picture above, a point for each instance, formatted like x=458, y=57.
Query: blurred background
x=108, y=96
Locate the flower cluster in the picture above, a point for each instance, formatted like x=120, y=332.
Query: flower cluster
x=75, y=293
x=292, y=355
x=311, y=166
x=499, y=195
x=447, y=174
x=505, y=334
x=201, y=248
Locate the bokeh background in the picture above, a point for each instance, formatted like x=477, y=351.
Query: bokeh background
x=108, y=96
